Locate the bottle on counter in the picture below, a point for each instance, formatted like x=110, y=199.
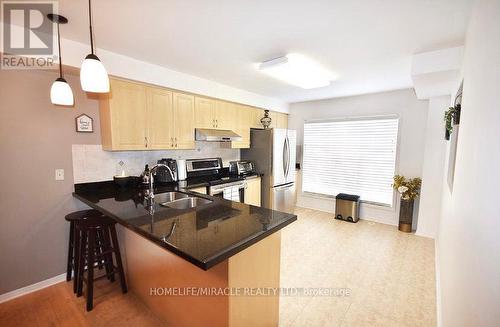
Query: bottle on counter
x=146, y=175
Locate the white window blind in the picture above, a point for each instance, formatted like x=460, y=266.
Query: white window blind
x=351, y=156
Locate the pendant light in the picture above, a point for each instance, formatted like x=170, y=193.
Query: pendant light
x=60, y=92
x=93, y=75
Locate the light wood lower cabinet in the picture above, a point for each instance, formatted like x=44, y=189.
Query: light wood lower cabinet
x=150, y=268
x=202, y=190
x=253, y=191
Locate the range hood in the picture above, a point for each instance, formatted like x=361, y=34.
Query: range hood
x=216, y=135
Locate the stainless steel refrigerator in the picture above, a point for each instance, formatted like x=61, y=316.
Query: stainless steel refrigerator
x=273, y=152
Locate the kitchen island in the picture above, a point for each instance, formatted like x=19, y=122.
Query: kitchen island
x=213, y=264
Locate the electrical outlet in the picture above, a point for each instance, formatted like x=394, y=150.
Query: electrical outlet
x=59, y=174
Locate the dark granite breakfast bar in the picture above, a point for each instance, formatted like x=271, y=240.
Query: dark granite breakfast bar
x=237, y=246
x=128, y=207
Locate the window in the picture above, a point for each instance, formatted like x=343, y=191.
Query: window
x=356, y=156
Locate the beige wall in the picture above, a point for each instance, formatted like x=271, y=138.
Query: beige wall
x=35, y=139
x=412, y=115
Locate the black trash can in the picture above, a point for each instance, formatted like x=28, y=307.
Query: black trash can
x=347, y=207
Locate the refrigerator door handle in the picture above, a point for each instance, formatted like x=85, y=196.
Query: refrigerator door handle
x=287, y=141
x=284, y=158
x=283, y=187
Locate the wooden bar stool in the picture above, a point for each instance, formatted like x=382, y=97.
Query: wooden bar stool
x=97, y=244
x=73, y=251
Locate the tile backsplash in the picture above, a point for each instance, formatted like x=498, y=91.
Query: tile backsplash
x=92, y=164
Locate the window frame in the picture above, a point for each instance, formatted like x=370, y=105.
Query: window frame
x=390, y=207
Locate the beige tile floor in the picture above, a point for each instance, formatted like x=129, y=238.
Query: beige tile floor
x=390, y=274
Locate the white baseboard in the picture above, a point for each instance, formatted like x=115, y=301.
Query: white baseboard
x=424, y=234
x=32, y=288
x=380, y=221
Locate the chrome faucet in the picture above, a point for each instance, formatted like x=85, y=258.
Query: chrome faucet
x=152, y=172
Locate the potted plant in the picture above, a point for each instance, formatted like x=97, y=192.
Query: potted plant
x=451, y=117
x=409, y=190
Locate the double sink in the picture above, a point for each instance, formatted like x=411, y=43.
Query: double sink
x=178, y=200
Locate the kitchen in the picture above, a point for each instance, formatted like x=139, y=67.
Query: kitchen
x=230, y=167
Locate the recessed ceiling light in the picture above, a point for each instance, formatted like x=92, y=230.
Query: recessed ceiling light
x=298, y=70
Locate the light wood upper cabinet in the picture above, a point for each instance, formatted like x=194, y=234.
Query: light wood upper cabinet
x=214, y=114
x=281, y=120
x=241, y=126
x=204, y=113
x=257, y=114
x=123, y=117
x=252, y=192
x=160, y=113
x=183, y=121
x=136, y=116
x=225, y=115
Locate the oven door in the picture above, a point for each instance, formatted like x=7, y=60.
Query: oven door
x=229, y=193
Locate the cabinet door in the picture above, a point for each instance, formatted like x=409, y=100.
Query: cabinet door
x=224, y=115
x=242, y=126
x=204, y=113
x=256, y=116
x=202, y=190
x=127, y=109
x=281, y=120
x=252, y=192
x=160, y=115
x=183, y=121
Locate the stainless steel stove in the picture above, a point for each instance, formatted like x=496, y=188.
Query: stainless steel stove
x=221, y=184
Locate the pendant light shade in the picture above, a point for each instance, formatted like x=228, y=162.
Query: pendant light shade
x=60, y=93
x=93, y=75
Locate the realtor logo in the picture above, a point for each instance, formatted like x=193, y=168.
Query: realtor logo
x=27, y=35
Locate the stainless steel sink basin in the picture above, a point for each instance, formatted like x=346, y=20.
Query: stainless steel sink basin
x=169, y=197
x=186, y=202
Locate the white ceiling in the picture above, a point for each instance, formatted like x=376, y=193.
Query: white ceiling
x=367, y=43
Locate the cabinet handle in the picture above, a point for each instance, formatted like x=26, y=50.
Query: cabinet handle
x=172, y=141
x=146, y=141
x=176, y=142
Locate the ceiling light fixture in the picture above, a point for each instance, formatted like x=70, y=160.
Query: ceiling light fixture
x=93, y=75
x=60, y=92
x=298, y=70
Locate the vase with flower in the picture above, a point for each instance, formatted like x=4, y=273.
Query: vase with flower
x=409, y=190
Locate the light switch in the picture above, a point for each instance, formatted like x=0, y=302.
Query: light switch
x=59, y=174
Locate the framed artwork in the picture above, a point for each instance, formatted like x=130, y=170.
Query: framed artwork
x=84, y=124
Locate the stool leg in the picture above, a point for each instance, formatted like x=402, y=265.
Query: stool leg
x=81, y=263
x=98, y=249
x=118, y=258
x=70, y=264
x=76, y=259
x=109, y=257
x=90, y=269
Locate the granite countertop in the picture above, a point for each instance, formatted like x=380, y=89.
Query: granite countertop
x=204, y=235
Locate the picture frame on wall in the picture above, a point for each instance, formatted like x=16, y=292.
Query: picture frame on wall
x=84, y=124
